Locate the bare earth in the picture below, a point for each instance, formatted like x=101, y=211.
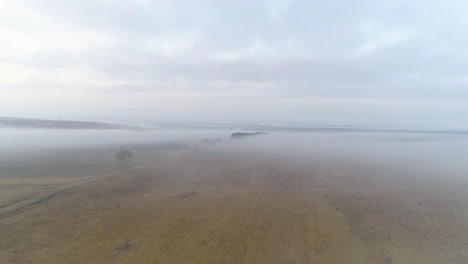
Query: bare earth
x=209, y=206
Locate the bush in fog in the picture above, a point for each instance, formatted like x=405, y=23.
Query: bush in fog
x=123, y=158
x=245, y=134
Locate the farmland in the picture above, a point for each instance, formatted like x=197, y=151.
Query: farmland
x=213, y=205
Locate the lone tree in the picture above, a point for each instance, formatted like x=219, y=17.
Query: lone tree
x=123, y=158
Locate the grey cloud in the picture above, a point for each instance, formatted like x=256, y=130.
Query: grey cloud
x=338, y=49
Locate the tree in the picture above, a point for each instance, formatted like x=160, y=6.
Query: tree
x=123, y=158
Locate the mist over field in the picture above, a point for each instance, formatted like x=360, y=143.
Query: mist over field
x=440, y=155
x=31, y=139
x=444, y=153
x=218, y=131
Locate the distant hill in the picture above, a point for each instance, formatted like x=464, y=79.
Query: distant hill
x=10, y=122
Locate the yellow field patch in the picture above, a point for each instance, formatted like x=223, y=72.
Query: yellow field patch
x=217, y=225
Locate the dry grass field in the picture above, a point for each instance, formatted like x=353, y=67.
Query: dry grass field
x=205, y=205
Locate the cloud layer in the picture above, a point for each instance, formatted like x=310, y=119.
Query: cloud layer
x=365, y=62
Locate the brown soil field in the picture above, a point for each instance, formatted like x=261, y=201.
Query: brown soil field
x=206, y=205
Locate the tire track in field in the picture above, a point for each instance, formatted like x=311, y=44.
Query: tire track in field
x=106, y=176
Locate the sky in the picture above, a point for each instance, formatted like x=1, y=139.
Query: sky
x=374, y=63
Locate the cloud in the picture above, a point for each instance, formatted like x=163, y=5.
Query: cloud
x=210, y=52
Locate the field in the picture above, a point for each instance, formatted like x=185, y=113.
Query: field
x=208, y=204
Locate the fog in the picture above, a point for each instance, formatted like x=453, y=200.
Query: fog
x=33, y=139
x=440, y=156
x=391, y=157
x=403, y=149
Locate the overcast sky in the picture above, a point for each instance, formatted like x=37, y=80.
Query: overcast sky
x=329, y=61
